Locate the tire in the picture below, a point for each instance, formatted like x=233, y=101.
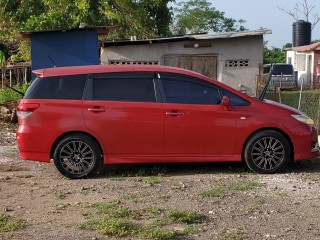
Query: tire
x=267, y=152
x=77, y=156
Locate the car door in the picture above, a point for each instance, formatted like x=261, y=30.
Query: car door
x=123, y=111
x=195, y=121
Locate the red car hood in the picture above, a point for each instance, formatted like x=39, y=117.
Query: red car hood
x=294, y=110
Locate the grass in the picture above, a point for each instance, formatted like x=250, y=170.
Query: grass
x=217, y=191
x=245, y=186
x=153, y=180
x=221, y=191
x=233, y=234
x=309, y=101
x=7, y=94
x=255, y=205
x=187, y=217
x=8, y=223
x=159, y=234
x=165, y=197
x=113, y=227
x=131, y=197
x=149, y=223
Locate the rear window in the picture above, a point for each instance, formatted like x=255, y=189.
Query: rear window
x=278, y=69
x=285, y=69
x=61, y=87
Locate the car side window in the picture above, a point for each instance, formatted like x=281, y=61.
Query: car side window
x=235, y=99
x=187, y=90
x=124, y=89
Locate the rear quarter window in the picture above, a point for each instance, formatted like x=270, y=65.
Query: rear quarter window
x=60, y=87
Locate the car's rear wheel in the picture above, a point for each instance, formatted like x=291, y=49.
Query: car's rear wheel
x=267, y=152
x=77, y=156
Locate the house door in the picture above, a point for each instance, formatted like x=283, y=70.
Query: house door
x=204, y=64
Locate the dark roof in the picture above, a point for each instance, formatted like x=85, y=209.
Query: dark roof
x=100, y=30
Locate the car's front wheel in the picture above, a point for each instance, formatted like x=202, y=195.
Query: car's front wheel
x=267, y=152
x=77, y=156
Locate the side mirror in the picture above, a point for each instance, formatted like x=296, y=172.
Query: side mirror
x=225, y=102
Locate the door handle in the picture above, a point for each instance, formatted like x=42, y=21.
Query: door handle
x=174, y=114
x=96, y=109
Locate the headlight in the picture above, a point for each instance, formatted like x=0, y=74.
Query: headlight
x=303, y=118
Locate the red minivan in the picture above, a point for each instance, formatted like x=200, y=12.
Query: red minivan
x=84, y=116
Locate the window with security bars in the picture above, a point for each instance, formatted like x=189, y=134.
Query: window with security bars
x=237, y=63
x=114, y=62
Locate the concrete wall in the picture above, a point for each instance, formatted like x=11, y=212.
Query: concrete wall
x=304, y=72
x=243, y=48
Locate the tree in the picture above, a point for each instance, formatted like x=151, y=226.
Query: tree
x=304, y=9
x=196, y=16
x=274, y=55
x=144, y=18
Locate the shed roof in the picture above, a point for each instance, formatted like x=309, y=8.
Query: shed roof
x=190, y=37
x=99, y=29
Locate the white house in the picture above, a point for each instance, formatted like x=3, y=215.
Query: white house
x=234, y=58
x=306, y=64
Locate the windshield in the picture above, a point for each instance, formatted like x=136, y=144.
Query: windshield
x=285, y=69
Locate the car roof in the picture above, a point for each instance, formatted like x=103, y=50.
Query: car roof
x=92, y=69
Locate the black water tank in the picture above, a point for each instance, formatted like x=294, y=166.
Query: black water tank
x=301, y=33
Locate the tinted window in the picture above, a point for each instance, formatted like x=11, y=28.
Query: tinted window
x=124, y=89
x=278, y=69
x=235, y=99
x=190, y=91
x=285, y=69
x=62, y=87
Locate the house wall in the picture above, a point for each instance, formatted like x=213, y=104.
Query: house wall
x=304, y=67
x=231, y=53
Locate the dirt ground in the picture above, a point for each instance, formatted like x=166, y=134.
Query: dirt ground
x=279, y=206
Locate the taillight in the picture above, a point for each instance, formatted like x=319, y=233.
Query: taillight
x=24, y=109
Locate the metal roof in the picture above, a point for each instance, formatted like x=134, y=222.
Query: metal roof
x=190, y=37
x=99, y=29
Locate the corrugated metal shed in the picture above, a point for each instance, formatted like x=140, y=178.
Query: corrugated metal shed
x=65, y=47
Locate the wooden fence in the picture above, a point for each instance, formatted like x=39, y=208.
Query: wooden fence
x=16, y=74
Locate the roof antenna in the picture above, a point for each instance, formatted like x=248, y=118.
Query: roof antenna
x=54, y=64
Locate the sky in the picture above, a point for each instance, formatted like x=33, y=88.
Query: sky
x=266, y=14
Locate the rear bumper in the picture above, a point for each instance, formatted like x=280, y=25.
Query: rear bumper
x=35, y=146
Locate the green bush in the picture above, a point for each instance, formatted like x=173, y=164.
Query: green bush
x=7, y=94
x=309, y=101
